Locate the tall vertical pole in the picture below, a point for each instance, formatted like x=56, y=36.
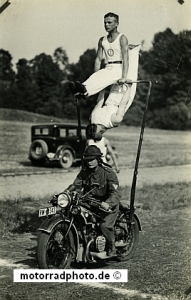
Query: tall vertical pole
x=133, y=187
x=79, y=126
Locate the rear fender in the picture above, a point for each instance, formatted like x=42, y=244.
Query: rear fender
x=138, y=221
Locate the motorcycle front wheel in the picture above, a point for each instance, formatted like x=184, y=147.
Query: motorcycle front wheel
x=126, y=237
x=54, y=250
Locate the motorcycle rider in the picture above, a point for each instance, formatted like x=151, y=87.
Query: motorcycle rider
x=95, y=171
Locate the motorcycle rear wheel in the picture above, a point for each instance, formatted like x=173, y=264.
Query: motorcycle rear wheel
x=130, y=239
x=54, y=251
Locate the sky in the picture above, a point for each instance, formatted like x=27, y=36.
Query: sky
x=31, y=27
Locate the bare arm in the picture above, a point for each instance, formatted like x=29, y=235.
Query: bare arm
x=99, y=56
x=111, y=152
x=125, y=58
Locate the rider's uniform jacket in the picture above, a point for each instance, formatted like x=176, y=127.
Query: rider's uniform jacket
x=108, y=189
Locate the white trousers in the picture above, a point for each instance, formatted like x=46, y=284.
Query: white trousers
x=102, y=115
x=113, y=72
x=103, y=78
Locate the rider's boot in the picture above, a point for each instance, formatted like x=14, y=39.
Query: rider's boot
x=111, y=249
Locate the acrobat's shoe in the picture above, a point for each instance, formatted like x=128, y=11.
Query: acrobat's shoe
x=78, y=89
x=72, y=87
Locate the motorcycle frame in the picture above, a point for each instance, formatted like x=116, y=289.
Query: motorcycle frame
x=50, y=222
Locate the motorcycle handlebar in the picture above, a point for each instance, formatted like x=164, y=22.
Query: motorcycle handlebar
x=138, y=81
x=91, y=200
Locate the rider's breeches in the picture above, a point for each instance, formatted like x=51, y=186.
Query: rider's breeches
x=103, y=78
x=107, y=227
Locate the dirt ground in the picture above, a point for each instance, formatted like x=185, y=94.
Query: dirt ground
x=45, y=182
x=19, y=251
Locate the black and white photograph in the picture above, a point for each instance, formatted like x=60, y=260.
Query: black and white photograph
x=95, y=144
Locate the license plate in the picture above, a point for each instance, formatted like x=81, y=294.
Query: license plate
x=47, y=211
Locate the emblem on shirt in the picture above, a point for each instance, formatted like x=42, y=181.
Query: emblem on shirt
x=115, y=186
x=110, y=52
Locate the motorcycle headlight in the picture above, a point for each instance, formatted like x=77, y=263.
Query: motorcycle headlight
x=64, y=200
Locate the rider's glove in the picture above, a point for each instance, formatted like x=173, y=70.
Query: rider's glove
x=54, y=200
x=105, y=206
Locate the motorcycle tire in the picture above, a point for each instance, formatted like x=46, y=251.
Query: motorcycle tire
x=53, y=252
x=131, y=239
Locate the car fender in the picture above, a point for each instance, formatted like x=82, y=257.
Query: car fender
x=63, y=147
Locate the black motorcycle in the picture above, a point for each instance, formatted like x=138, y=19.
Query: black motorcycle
x=71, y=232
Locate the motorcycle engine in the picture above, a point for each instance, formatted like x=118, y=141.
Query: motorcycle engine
x=100, y=243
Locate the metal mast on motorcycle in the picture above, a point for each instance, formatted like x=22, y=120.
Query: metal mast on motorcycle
x=133, y=187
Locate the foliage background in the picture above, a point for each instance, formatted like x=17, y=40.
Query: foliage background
x=40, y=85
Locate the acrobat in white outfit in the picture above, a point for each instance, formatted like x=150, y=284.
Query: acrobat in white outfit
x=120, y=97
x=114, y=48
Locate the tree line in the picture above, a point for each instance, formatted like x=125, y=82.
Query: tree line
x=40, y=85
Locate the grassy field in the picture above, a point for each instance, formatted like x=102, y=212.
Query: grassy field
x=159, y=148
x=161, y=264
x=162, y=261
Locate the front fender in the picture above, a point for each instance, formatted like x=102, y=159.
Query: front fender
x=49, y=223
x=63, y=147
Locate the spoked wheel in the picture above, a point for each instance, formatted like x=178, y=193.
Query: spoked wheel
x=126, y=237
x=55, y=251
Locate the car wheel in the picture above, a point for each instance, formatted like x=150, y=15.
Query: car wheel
x=38, y=150
x=66, y=158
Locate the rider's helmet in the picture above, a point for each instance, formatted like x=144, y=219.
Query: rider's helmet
x=92, y=152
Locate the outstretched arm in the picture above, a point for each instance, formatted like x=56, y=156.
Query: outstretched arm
x=111, y=152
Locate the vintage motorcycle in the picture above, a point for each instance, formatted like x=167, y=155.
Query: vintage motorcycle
x=71, y=232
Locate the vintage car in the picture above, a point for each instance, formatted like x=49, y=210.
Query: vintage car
x=56, y=142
